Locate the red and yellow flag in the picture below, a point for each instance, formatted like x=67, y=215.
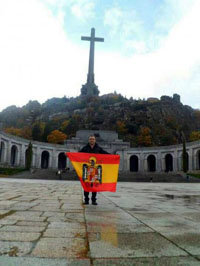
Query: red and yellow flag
x=97, y=172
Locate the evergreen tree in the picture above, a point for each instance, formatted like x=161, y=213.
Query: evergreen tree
x=29, y=155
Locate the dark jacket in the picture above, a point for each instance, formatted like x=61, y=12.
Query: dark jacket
x=96, y=149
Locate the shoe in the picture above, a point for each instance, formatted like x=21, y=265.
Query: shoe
x=85, y=202
x=94, y=203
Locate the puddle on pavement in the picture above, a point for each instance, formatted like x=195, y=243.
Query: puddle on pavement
x=185, y=198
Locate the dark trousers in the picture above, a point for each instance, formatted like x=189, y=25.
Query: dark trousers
x=94, y=195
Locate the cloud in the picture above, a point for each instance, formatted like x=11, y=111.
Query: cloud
x=37, y=59
x=171, y=68
x=122, y=22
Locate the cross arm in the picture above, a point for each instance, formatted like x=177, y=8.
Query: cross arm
x=99, y=39
x=83, y=38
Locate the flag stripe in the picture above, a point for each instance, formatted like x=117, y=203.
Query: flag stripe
x=110, y=171
x=104, y=187
x=101, y=158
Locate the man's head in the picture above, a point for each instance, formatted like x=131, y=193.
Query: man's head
x=92, y=140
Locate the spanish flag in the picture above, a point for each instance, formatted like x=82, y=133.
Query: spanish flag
x=97, y=172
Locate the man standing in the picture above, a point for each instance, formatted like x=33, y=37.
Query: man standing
x=92, y=147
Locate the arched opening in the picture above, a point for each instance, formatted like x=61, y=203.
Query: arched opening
x=14, y=154
x=62, y=161
x=2, y=151
x=198, y=160
x=151, y=162
x=168, y=163
x=45, y=160
x=134, y=163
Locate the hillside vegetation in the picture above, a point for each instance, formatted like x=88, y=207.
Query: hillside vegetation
x=142, y=122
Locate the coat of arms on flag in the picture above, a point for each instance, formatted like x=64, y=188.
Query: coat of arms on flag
x=97, y=172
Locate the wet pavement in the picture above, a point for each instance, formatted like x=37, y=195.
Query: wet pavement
x=45, y=223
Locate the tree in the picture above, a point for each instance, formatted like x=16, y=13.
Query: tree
x=29, y=155
x=37, y=131
x=56, y=136
x=144, y=138
x=121, y=127
x=184, y=155
x=13, y=131
x=195, y=135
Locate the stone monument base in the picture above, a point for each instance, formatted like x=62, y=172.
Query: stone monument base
x=89, y=89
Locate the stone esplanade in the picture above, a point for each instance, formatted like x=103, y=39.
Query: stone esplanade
x=46, y=155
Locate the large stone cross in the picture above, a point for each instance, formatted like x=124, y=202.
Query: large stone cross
x=92, y=39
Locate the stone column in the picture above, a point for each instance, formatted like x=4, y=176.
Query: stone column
x=55, y=159
x=22, y=155
x=175, y=161
x=38, y=157
x=163, y=166
x=34, y=158
x=4, y=152
x=141, y=163
x=190, y=153
x=158, y=161
x=8, y=153
x=50, y=159
x=121, y=164
x=145, y=164
x=18, y=156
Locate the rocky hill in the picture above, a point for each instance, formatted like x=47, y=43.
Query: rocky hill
x=142, y=122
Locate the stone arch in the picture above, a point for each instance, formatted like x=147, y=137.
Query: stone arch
x=168, y=162
x=134, y=163
x=151, y=163
x=13, y=155
x=62, y=161
x=2, y=152
x=45, y=160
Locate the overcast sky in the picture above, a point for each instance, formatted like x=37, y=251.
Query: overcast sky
x=151, y=48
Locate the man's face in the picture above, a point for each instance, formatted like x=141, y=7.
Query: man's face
x=92, y=141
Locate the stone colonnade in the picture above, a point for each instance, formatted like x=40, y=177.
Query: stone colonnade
x=45, y=155
x=160, y=159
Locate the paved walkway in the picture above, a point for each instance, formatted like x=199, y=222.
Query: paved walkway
x=44, y=223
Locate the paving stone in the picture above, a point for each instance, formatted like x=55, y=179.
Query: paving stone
x=19, y=236
x=9, y=228
x=188, y=241
x=24, y=261
x=167, y=261
x=140, y=224
x=119, y=245
x=109, y=228
x=61, y=247
x=28, y=223
x=14, y=249
x=53, y=214
x=2, y=213
x=60, y=233
x=28, y=218
x=65, y=225
x=28, y=213
x=8, y=221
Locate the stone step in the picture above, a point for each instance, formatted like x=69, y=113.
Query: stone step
x=49, y=174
